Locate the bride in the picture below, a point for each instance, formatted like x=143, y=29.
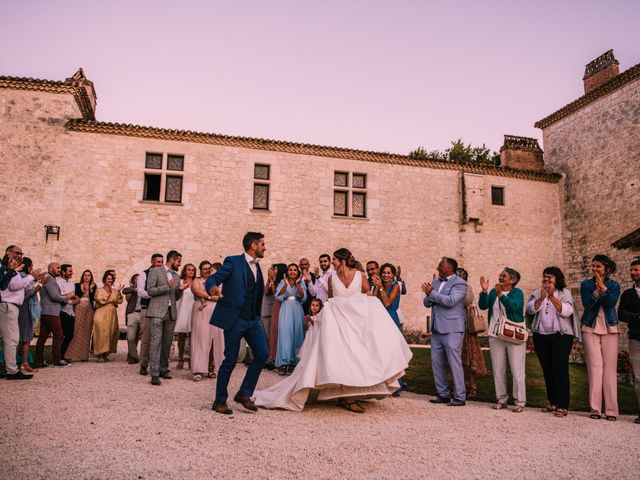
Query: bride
x=352, y=352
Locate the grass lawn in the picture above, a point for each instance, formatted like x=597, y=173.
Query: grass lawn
x=47, y=354
x=420, y=379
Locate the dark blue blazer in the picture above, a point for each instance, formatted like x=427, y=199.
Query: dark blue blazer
x=234, y=278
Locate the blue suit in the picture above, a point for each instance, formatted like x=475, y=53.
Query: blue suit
x=448, y=326
x=238, y=314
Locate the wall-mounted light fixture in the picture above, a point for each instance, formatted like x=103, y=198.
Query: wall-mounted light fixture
x=53, y=230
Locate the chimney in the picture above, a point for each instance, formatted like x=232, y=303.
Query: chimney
x=600, y=71
x=521, y=152
x=80, y=79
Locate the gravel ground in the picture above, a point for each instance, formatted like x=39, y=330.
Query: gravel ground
x=95, y=420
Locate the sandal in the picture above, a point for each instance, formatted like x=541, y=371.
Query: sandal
x=197, y=377
x=499, y=406
x=473, y=393
x=561, y=412
x=211, y=374
x=282, y=370
x=549, y=408
x=25, y=367
x=354, y=406
x=611, y=418
x=595, y=416
x=518, y=409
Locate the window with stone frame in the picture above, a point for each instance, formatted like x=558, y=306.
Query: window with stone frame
x=349, y=194
x=163, y=177
x=261, y=186
x=497, y=195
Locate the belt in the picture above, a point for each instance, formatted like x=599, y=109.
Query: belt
x=291, y=297
x=137, y=311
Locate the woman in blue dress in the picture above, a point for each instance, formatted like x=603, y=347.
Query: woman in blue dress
x=291, y=291
x=388, y=291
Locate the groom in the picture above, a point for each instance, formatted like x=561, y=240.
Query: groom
x=238, y=314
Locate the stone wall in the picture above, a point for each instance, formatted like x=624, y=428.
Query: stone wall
x=597, y=148
x=91, y=185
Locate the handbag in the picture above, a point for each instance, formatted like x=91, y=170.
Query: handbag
x=509, y=331
x=475, y=322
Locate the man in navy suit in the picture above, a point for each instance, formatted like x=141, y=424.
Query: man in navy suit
x=446, y=299
x=238, y=313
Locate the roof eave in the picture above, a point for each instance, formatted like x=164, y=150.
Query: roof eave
x=611, y=86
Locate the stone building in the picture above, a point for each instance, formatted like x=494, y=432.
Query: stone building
x=594, y=142
x=105, y=195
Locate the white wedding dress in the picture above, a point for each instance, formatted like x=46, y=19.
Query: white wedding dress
x=354, y=349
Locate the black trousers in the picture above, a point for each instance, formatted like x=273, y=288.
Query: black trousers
x=553, y=353
x=68, y=326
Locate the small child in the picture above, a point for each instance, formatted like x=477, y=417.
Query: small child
x=314, y=310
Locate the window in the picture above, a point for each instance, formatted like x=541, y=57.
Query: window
x=350, y=201
x=154, y=160
x=262, y=173
x=359, y=180
x=340, y=203
x=358, y=204
x=497, y=195
x=158, y=182
x=173, y=192
x=341, y=179
x=175, y=162
x=151, y=187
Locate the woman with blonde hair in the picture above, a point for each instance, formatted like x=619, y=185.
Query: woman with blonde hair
x=184, y=306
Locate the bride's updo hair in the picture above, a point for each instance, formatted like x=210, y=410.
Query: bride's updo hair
x=344, y=255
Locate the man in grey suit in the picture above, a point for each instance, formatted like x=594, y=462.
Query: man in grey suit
x=163, y=287
x=445, y=297
x=51, y=302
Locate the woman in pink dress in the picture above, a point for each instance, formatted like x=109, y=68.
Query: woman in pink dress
x=270, y=289
x=202, y=333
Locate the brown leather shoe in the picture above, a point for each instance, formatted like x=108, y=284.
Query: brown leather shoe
x=245, y=402
x=221, y=408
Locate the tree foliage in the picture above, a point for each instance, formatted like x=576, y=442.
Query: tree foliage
x=459, y=153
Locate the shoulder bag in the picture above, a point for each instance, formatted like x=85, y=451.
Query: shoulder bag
x=507, y=330
x=475, y=322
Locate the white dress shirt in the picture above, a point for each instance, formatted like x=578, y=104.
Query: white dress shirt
x=140, y=284
x=169, y=274
x=253, y=265
x=66, y=286
x=320, y=289
x=498, y=308
x=442, y=283
x=14, y=292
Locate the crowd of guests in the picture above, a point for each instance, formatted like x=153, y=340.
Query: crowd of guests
x=166, y=301
x=549, y=314
x=81, y=317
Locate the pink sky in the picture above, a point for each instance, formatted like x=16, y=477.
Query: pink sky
x=374, y=75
